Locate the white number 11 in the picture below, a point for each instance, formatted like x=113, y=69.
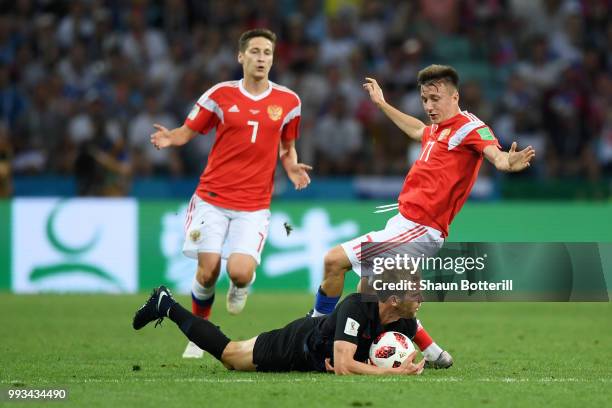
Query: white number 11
x=427, y=151
x=255, y=126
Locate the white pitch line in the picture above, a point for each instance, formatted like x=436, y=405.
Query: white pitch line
x=319, y=378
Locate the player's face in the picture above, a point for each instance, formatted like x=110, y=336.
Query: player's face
x=440, y=101
x=409, y=305
x=257, y=59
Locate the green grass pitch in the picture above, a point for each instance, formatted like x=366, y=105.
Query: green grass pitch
x=506, y=354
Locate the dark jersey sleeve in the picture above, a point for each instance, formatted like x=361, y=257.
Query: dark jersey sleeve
x=351, y=320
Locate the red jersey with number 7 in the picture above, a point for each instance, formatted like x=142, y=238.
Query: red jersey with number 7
x=440, y=181
x=239, y=174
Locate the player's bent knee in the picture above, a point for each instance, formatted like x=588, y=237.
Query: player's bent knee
x=241, y=268
x=238, y=355
x=336, y=262
x=241, y=278
x=229, y=354
x=241, y=275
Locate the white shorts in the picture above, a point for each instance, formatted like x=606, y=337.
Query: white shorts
x=399, y=231
x=209, y=228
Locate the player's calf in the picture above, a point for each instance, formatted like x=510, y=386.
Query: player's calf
x=203, y=285
x=201, y=332
x=202, y=299
x=203, y=294
x=336, y=265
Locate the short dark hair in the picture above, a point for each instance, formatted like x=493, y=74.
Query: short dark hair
x=438, y=73
x=245, y=37
x=392, y=276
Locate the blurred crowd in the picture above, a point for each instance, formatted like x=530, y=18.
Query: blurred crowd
x=82, y=81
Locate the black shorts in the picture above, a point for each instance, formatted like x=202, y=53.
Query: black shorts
x=284, y=349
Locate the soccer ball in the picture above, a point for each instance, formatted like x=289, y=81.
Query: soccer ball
x=390, y=349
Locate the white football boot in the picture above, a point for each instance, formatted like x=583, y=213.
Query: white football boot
x=237, y=297
x=444, y=360
x=193, y=351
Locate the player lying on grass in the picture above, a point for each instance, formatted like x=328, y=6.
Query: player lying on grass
x=338, y=342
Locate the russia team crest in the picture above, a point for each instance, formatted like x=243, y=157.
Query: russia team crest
x=194, y=235
x=444, y=134
x=275, y=112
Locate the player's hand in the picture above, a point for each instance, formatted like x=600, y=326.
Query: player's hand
x=408, y=367
x=518, y=161
x=298, y=174
x=161, y=138
x=376, y=94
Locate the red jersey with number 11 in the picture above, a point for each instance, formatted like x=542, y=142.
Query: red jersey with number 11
x=440, y=181
x=240, y=170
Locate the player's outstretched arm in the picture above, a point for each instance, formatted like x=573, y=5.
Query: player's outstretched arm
x=510, y=161
x=345, y=364
x=408, y=124
x=176, y=137
x=297, y=172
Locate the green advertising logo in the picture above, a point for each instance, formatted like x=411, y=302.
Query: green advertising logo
x=74, y=245
x=72, y=253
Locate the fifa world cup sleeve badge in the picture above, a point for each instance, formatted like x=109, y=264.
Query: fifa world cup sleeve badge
x=351, y=327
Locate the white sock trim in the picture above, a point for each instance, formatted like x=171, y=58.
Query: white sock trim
x=432, y=352
x=200, y=292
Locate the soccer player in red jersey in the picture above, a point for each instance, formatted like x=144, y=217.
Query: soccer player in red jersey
x=435, y=189
x=255, y=120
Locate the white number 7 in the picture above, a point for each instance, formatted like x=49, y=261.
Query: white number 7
x=255, y=126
